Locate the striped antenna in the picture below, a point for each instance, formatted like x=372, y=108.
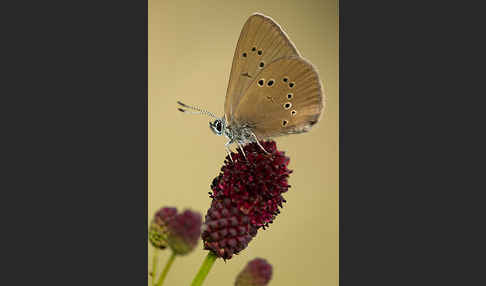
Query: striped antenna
x=197, y=110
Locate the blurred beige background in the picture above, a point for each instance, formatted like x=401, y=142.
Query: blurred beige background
x=190, y=50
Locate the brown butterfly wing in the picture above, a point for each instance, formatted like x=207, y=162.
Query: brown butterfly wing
x=286, y=97
x=261, y=41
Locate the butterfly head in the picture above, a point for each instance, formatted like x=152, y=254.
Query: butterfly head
x=218, y=126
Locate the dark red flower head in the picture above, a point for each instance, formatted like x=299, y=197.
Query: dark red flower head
x=184, y=230
x=246, y=195
x=227, y=230
x=257, y=272
x=255, y=183
x=158, y=227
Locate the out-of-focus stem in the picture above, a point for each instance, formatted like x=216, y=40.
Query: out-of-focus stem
x=154, y=264
x=166, y=269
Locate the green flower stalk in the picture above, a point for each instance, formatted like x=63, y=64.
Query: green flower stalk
x=204, y=269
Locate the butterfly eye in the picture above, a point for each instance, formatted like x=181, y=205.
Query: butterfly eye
x=289, y=96
x=287, y=105
x=218, y=126
x=262, y=64
x=261, y=82
x=270, y=82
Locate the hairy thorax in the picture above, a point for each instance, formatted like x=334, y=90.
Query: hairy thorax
x=241, y=133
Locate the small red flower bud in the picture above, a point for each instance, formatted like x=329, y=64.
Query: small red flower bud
x=257, y=272
x=184, y=230
x=158, y=227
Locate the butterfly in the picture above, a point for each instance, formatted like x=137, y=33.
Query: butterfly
x=272, y=90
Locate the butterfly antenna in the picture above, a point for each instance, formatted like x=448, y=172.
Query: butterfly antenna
x=197, y=110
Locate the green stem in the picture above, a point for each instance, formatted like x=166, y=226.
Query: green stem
x=154, y=264
x=166, y=269
x=204, y=270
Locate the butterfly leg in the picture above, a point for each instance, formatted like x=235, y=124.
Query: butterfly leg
x=258, y=143
x=228, y=150
x=242, y=150
x=229, y=154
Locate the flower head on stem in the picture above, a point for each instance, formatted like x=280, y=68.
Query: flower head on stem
x=247, y=195
x=178, y=231
x=184, y=230
x=158, y=227
x=257, y=272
